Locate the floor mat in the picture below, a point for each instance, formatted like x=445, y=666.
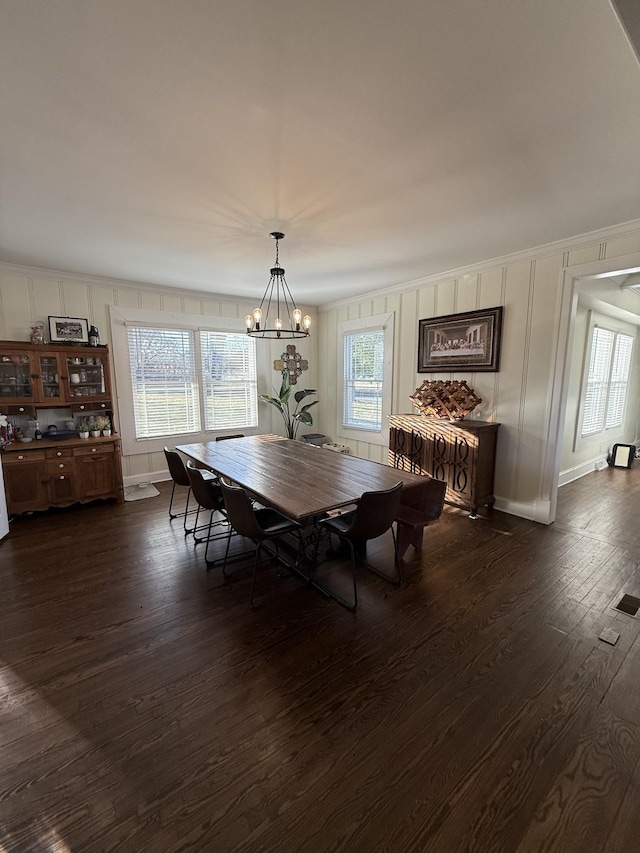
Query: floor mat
x=140, y=491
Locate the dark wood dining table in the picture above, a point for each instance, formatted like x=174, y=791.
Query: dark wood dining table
x=300, y=480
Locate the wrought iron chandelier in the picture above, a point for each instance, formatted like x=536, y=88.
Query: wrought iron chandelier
x=277, y=307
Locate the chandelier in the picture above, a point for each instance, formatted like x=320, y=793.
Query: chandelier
x=277, y=307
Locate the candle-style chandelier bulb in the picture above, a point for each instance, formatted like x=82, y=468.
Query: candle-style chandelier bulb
x=277, y=303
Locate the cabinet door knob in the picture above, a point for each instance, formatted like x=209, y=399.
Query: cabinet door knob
x=62, y=476
x=21, y=409
x=20, y=457
x=59, y=453
x=93, y=449
x=61, y=465
x=82, y=407
x=103, y=405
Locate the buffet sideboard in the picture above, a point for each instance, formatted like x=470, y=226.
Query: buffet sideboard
x=461, y=453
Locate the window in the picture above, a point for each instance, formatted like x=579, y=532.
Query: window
x=363, y=375
x=607, y=381
x=230, y=382
x=180, y=379
x=364, y=378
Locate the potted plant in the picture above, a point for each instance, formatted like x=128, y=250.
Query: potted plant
x=292, y=419
x=83, y=428
x=95, y=427
x=104, y=424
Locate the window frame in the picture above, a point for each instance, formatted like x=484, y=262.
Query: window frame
x=363, y=325
x=607, y=434
x=120, y=320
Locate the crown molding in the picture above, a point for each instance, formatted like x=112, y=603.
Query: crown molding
x=545, y=250
x=105, y=281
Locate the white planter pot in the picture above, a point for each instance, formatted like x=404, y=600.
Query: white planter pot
x=83, y=434
x=106, y=432
x=95, y=433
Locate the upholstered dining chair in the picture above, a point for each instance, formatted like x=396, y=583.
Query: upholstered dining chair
x=208, y=495
x=258, y=525
x=373, y=516
x=180, y=478
x=179, y=475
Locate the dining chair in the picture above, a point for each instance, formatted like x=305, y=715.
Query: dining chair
x=258, y=525
x=373, y=516
x=180, y=478
x=208, y=495
x=179, y=475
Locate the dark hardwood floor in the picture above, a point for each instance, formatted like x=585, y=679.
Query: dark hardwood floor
x=145, y=707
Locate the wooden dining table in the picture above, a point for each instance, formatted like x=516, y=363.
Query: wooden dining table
x=300, y=480
x=304, y=482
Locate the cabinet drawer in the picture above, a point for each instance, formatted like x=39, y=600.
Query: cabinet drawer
x=23, y=456
x=94, y=449
x=21, y=409
x=103, y=405
x=63, y=453
x=56, y=467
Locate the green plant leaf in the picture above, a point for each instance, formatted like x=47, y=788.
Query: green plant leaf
x=271, y=400
x=300, y=395
x=285, y=390
x=304, y=418
x=309, y=405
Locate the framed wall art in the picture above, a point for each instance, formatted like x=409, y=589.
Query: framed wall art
x=458, y=343
x=68, y=330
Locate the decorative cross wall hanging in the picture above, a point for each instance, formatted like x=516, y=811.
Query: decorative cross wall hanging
x=291, y=362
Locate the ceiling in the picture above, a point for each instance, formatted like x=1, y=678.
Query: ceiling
x=161, y=141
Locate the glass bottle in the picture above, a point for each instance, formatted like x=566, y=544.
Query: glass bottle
x=94, y=337
x=38, y=434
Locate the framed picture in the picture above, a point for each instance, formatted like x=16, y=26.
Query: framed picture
x=68, y=330
x=458, y=343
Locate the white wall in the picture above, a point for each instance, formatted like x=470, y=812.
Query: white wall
x=30, y=295
x=520, y=395
x=580, y=458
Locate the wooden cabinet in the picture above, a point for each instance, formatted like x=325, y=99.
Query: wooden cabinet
x=95, y=466
x=461, y=453
x=73, y=381
x=55, y=473
x=25, y=481
x=48, y=376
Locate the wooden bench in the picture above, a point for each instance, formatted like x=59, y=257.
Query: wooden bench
x=418, y=508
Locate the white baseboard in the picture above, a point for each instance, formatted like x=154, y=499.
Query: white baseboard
x=571, y=474
x=522, y=510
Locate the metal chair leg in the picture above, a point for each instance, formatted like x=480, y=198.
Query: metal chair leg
x=173, y=491
x=186, y=512
x=206, y=548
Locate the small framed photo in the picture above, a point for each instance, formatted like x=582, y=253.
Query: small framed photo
x=468, y=342
x=68, y=330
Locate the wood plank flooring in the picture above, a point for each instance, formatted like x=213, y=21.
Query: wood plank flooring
x=145, y=707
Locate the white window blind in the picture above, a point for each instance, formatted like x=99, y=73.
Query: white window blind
x=620, y=369
x=607, y=381
x=229, y=380
x=363, y=377
x=164, y=382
